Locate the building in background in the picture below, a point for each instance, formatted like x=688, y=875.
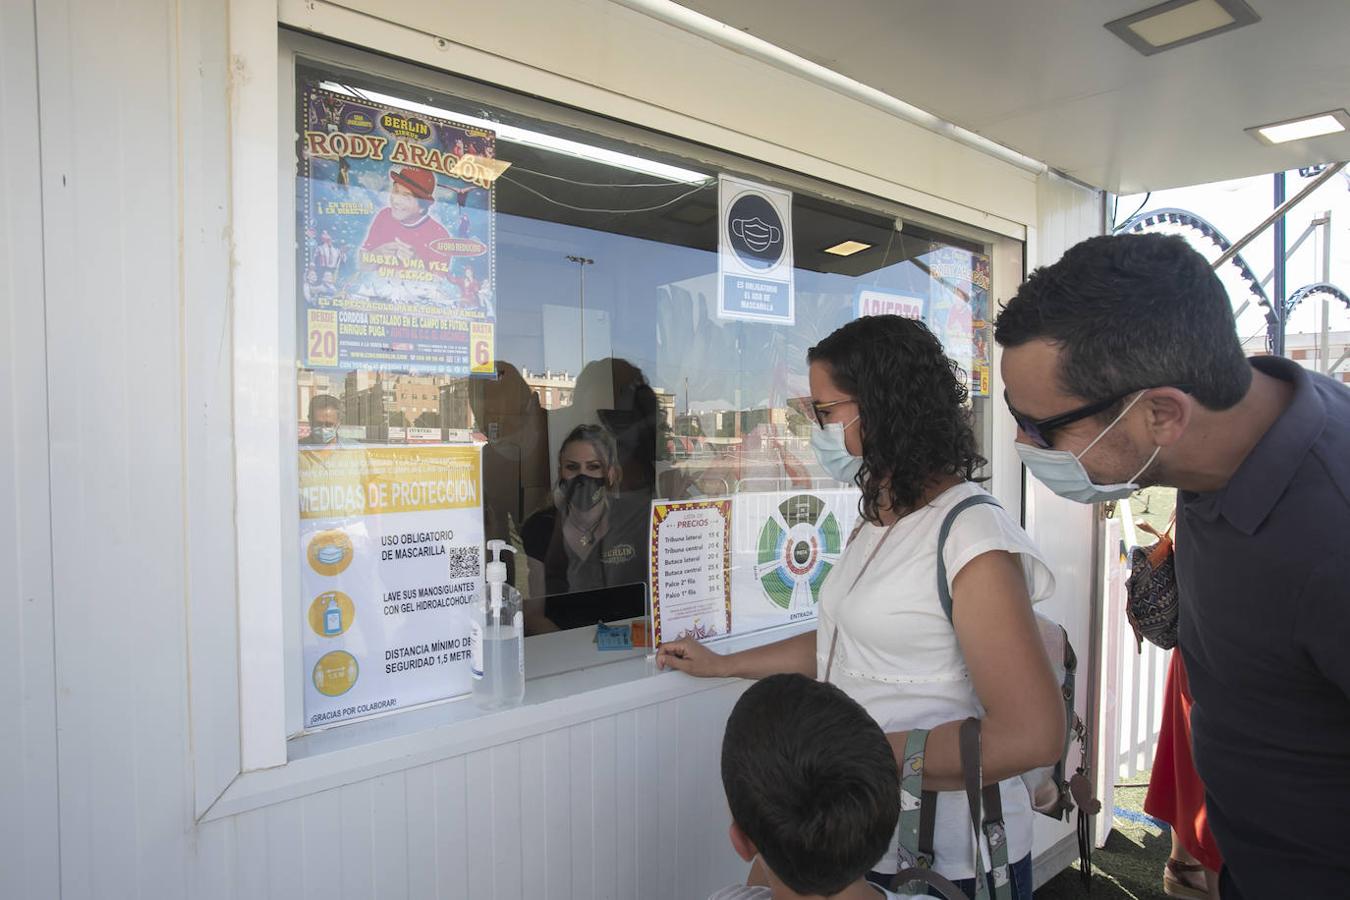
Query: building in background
x=554, y=389
x=1306, y=350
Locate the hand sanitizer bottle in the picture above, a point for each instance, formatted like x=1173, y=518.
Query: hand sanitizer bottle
x=497, y=639
x=332, y=617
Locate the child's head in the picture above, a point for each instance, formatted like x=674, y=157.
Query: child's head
x=811, y=781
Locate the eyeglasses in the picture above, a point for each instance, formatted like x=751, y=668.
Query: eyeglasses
x=1039, y=430
x=810, y=408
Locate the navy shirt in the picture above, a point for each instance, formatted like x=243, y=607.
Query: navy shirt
x=1263, y=570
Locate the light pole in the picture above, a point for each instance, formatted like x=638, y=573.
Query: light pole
x=582, y=262
x=1324, y=350
x=1280, y=313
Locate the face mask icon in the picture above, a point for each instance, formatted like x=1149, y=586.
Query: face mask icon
x=757, y=234
x=331, y=555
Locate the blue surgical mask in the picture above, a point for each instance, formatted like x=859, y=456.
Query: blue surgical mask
x=832, y=453
x=325, y=434
x=1063, y=472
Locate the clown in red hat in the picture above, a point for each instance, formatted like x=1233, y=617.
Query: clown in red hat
x=405, y=229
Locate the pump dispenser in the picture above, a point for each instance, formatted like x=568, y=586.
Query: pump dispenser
x=497, y=638
x=332, y=617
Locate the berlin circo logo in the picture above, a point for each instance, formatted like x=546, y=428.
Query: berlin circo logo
x=755, y=231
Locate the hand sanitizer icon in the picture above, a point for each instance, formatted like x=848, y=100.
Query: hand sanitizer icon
x=332, y=618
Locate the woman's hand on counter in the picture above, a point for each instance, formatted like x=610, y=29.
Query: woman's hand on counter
x=794, y=654
x=692, y=658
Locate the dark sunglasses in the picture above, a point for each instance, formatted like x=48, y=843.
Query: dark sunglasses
x=1039, y=430
x=811, y=409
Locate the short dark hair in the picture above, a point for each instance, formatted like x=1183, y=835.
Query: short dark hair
x=323, y=401
x=912, y=401
x=1132, y=311
x=811, y=781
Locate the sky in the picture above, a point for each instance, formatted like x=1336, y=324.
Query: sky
x=1236, y=207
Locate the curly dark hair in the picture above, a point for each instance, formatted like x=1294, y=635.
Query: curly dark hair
x=916, y=425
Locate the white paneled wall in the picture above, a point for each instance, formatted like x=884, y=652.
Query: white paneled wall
x=623, y=807
x=28, y=780
x=120, y=655
x=1066, y=214
x=1063, y=529
x=110, y=185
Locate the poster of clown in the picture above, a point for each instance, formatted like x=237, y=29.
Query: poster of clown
x=396, y=230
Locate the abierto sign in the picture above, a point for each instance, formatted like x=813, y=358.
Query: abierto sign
x=871, y=302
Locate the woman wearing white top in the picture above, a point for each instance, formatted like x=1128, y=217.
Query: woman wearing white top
x=893, y=420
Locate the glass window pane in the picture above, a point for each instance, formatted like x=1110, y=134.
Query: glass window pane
x=490, y=299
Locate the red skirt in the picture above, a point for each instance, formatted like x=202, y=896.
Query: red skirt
x=1175, y=793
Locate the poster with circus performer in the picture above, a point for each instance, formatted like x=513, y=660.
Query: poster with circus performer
x=395, y=241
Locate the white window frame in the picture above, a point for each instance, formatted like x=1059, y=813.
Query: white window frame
x=263, y=683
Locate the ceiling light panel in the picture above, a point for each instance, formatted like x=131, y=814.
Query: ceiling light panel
x=847, y=248
x=1317, y=125
x=1181, y=22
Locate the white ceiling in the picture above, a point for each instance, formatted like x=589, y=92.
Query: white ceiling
x=1043, y=77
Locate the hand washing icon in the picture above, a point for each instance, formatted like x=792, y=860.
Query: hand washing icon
x=757, y=234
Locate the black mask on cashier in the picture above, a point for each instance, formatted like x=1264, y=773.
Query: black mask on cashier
x=583, y=492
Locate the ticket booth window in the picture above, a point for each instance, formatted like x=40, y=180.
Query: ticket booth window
x=530, y=328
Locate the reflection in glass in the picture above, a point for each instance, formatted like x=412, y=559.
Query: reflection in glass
x=592, y=537
x=609, y=381
x=507, y=415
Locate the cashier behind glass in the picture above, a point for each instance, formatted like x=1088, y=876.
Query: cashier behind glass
x=592, y=537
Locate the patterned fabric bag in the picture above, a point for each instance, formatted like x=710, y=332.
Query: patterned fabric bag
x=1151, y=591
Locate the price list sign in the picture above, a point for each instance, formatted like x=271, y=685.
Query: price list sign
x=691, y=568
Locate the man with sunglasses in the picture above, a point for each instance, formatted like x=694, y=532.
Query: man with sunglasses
x=1123, y=369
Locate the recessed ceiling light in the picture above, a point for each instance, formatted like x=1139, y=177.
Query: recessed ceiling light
x=1302, y=128
x=1179, y=22
x=847, y=248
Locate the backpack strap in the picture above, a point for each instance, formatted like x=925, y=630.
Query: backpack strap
x=918, y=816
x=917, y=811
x=920, y=809
x=1066, y=691
x=988, y=821
x=996, y=834
x=944, y=592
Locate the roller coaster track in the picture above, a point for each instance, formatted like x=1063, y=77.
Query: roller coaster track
x=1171, y=216
x=1310, y=290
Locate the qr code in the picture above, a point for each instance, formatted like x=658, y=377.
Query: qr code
x=463, y=561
